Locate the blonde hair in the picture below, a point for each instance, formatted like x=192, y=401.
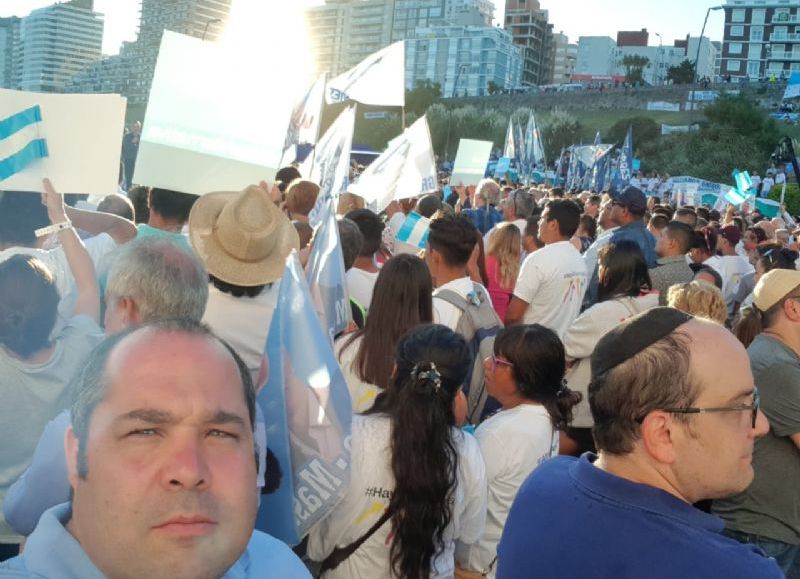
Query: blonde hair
x=348, y=202
x=505, y=245
x=700, y=299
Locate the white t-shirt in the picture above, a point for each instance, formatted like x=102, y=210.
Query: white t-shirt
x=446, y=313
x=362, y=394
x=371, y=486
x=552, y=281
x=766, y=185
x=780, y=178
x=243, y=322
x=734, y=267
x=513, y=443
x=360, y=285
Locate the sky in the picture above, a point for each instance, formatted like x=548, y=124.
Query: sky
x=671, y=18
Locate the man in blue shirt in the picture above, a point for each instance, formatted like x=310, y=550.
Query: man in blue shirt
x=162, y=464
x=675, y=418
x=627, y=211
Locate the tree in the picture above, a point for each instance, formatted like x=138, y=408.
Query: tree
x=425, y=93
x=645, y=130
x=561, y=130
x=634, y=68
x=464, y=122
x=682, y=73
x=493, y=88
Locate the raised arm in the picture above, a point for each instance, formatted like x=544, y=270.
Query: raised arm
x=96, y=222
x=88, y=292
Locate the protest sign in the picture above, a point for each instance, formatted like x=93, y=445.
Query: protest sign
x=769, y=208
x=471, y=160
x=208, y=127
x=663, y=106
x=307, y=410
x=405, y=169
x=326, y=276
x=379, y=79
x=73, y=139
x=502, y=167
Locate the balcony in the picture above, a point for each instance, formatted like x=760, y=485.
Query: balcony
x=786, y=19
x=783, y=56
x=775, y=37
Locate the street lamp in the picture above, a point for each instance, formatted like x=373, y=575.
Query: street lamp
x=697, y=63
x=208, y=23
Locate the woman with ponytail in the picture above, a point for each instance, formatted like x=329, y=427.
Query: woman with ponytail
x=525, y=373
x=417, y=482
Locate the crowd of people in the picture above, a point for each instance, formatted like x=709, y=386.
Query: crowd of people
x=558, y=384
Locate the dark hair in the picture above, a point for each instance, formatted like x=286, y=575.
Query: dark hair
x=351, y=240
x=567, y=214
x=703, y=268
x=453, y=236
x=775, y=256
x=681, y=233
x=532, y=228
x=432, y=363
x=28, y=304
x=371, y=228
x=236, y=291
x=703, y=213
x=659, y=221
x=88, y=385
x=481, y=258
x=173, y=205
x=595, y=200
x=686, y=212
x=286, y=175
x=21, y=213
x=620, y=398
x=429, y=205
x=705, y=240
x=402, y=299
x=589, y=225
x=761, y=235
x=539, y=365
x=624, y=271
x=138, y=196
x=304, y=231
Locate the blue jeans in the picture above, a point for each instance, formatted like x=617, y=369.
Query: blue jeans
x=785, y=555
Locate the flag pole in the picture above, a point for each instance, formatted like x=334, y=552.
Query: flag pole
x=403, y=116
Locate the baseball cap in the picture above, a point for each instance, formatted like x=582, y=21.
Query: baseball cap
x=633, y=199
x=731, y=233
x=774, y=286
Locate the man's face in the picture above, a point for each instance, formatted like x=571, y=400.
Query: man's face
x=618, y=213
x=663, y=244
x=714, y=450
x=592, y=209
x=547, y=233
x=170, y=485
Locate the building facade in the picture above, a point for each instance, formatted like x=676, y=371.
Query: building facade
x=564, y=59
x=532, y=32
x=762, y=39
x=55, y=43
x=464, y=60
x=9, y=46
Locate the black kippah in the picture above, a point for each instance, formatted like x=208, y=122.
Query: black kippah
x=633, y=336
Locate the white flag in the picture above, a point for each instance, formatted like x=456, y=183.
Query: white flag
x=405, y=169
x=509, y=150
x=304, y=124
x=379, y=79
x=331, y=168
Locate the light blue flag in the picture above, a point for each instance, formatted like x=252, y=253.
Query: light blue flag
x=415, y=230
x=307, y=410
x=326, y=277
x=20, y=143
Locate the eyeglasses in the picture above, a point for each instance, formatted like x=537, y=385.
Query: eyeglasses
x=752, y=408
x=498, y=362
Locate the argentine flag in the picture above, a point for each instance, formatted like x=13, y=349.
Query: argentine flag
x=20, y=141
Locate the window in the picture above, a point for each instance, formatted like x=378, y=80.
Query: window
x=737, y=15
x=737, y=31
x=758, y=16
x=756, y=33
x=754, y=52
x=753, y=68
x=735, y=48
x=734, y=65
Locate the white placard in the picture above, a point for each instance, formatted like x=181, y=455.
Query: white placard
x=209, y=125
x=471, y=161
x=84, y=141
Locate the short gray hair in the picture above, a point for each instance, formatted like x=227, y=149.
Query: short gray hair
x=88, y=386
x=163, y=278
x=488, y=190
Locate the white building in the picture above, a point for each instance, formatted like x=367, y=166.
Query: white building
x=564, y=58
x=596, y=58
x=55, y=43
x=463, y=59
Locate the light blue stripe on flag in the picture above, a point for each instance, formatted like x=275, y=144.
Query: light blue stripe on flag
x=19, y=121
x=36, y=149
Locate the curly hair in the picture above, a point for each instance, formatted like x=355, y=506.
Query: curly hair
x=699, y=299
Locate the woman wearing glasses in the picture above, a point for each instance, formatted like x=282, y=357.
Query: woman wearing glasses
x=525, y=373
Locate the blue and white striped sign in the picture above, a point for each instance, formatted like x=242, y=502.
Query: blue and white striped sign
x=20, y=141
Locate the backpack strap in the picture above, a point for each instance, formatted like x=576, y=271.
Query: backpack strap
x=453, y=298
x=340, y=554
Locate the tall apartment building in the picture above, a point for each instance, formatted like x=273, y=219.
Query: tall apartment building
x=762, y=38
x=532, y=32
x=9, y=45
x=565, y=56
x=464, y=60
x=198, y=18
x=55, y=43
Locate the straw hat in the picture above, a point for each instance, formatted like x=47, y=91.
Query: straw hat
x=242, y=238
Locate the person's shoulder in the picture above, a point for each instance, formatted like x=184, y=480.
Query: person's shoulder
x=266, y=556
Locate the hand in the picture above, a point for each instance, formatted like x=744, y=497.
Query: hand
x=54, y=202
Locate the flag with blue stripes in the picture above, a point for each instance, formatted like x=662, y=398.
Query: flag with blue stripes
x=20, y=141
x=307, y=410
